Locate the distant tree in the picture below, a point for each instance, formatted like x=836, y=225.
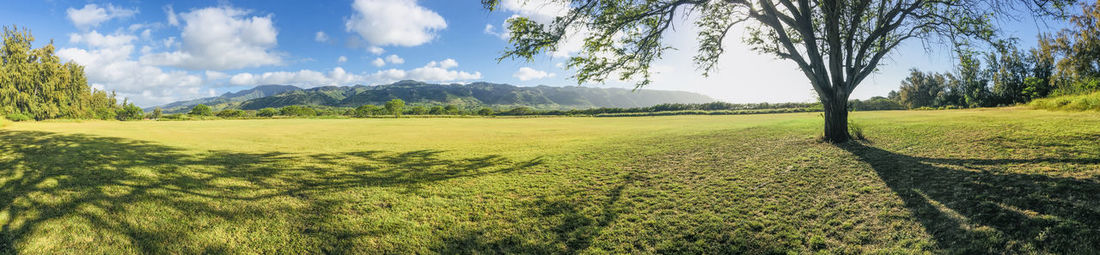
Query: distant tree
x=230, y=113
x=129, y=111
x=836, y=44
x=921, y=89
x=970, y=79
x=34, y=82
x=1041, y=81
x=451, y=109
x=1007, y=69
x=437, y=110
x=418, y=110
x=297, y=110
x=485, y=111
x=201, y=110
x=267, y=112
x=157, y=112
x=1079, y=69
x=367, y=110
x=522, y=110
x=395, y=107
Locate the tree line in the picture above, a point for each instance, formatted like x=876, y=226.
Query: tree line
x=1064, y=63
x=34, y=84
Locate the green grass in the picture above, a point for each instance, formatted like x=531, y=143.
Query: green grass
x=959, y=181
x=1083, y=102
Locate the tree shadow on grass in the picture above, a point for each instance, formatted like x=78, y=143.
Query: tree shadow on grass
x=99, y=186
x=973, y=206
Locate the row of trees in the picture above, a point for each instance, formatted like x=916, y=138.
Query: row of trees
x=34, y=84
x=1063, y=64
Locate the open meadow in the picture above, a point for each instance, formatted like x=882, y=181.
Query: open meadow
x=1004, y=180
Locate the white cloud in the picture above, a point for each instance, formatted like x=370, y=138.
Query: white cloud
x=91, y=15
x=215, y=75
x=341, y=59
x=394, y=22
x=541, y=11
x=395, y=60
x=108, y=65
x=95, y=39
x=320, y=37
x=379, y=62
x=527, y=73
x=376, y=50
x=173, y=20
x=435, y=71
x=221, y=38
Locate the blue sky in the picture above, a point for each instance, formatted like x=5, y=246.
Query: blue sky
x=156, y=52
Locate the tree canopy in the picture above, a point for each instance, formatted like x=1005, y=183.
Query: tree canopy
x=835, y=43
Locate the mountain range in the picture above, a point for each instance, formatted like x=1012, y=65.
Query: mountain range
x=420, y=93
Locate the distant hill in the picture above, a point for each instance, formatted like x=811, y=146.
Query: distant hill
x=228, y=99
x=420, y=93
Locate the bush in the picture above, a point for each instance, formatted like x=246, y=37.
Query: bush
x=202, y=110
x=230, y=113
x=130, y=112
x=486, y=111
x=395, y=107
x=418, y=110
x=267, y=112
x=295, y=110
x=18, y=117
x=1087, y=102
x=436, y=110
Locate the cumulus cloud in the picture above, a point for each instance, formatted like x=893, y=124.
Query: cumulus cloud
x=394, y=22
x=91, y=15
x=341, y=59
x=527, y=73
x=320, y=37
x=108, y=65
x=379, y=62
x=173, y=19
x=376, y=50
x=221, y=38
x=395, y=60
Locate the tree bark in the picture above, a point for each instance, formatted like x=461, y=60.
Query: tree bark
x=836, y=119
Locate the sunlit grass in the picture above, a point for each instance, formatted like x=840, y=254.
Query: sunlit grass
x=967, y=181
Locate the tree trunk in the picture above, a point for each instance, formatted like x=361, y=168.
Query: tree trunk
x=836, y=119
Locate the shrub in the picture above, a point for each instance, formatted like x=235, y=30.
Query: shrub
x=486, y=111
x=267, y=112
x=202, y=110
x=130, y=112
x=230, y=113
x=436, y=110
x=367, y=110
x=395, y=107
x=157, y=112
x=418, y=110
x=295, y=110
x=18, y=117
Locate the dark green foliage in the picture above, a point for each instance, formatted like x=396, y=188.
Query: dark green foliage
x=367, y=110
x=418, y=110
x=130, y=111
x=34, y=82
x=874, y=104
x=297, y=111
x=437, y=110
x=18, y=117
x=520, y=111
x=450, y=109
x=485, y=111
x=157, y=113
x=230, y=113
x=395, y=107
x=921, y=89
x=201, y=110
x=267, y=112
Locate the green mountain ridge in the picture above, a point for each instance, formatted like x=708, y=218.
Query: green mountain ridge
x=420, y=93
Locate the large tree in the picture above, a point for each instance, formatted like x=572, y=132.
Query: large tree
x=835, y=43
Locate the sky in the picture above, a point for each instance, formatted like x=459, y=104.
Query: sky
x=157, y=52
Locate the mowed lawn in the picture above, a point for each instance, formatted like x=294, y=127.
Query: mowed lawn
x=1004, y=180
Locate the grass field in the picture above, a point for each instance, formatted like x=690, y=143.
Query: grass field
x=955, y=181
